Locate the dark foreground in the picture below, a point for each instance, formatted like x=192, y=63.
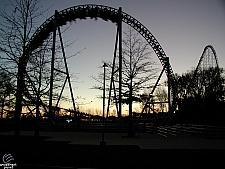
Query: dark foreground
x=38, y=153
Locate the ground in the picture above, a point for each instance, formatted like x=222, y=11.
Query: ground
x=82, y=150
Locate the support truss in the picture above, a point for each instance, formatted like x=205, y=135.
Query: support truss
x=82, y=12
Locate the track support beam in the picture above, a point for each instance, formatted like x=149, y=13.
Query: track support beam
x=120, y=66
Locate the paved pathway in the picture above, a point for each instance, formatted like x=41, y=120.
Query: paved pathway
x=145, y=140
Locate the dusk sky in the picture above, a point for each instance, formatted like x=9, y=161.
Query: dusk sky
x=183, y=28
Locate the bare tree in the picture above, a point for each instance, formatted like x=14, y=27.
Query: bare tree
x=161, y=96
x=6, y=93
x=138, y=71
x=203, y=101
x=20, y=20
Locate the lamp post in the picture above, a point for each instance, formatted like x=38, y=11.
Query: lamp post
x=103, y=143
x=169, y=84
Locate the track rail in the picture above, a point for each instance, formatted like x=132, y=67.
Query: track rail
x=108, y=14
x=203, y=55
x=194, y=80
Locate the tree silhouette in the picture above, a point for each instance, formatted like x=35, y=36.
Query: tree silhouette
x=7, y=91
x=20, y=19
x=202, y=102
x=161, y=96
x=138, y=71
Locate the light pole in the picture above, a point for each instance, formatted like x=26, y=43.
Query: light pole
x=169, y=84
x=103, y=143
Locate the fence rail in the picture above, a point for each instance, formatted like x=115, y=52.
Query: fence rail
x=187, y=129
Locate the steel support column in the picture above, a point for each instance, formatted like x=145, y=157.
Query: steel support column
x=50, y=115
x=120, y=65
x=60, y=95
x=68, y=77
x=150, y=94
x=113, y=71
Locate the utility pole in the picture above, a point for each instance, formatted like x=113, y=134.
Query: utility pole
x=169, y=84
x=103, y=143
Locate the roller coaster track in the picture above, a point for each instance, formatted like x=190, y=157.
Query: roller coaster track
x=108, y=14
x=213, y=61
x=207, y=60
